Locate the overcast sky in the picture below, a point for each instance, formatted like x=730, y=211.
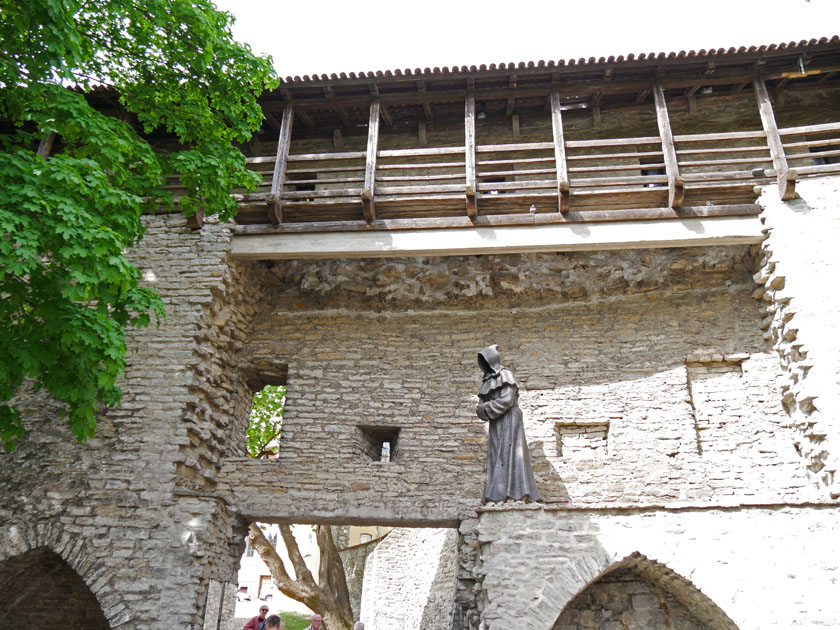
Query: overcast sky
x=326, y=36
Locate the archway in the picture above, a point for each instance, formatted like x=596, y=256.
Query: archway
x=38, y=589
x=640, y=593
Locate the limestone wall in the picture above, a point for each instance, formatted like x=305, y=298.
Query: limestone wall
x=410, y=581
x=799, y=266
x=659, y=353
x=133, y=511
x=756, y=568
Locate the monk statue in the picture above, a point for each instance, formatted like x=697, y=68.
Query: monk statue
x=509, y=474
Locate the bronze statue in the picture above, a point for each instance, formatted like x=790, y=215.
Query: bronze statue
x=509, y=474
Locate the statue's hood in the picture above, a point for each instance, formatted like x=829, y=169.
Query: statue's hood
x=489, y=360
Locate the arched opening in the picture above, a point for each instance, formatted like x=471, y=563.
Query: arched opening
x=641, y=593
x=38, y=589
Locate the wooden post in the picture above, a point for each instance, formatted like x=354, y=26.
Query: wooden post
x=46, y=144
x=368, y=204
x=274, y=207
x=469, y=152
x=676, y=186
x=785, y=177
x=559, y=152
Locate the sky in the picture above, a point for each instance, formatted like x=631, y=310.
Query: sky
x=328, y=36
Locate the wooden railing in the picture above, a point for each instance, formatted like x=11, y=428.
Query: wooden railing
x=536, y=182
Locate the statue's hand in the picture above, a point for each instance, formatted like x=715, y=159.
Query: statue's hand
x=479, y=411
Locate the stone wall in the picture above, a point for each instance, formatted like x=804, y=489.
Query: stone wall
x=799, y=262
x=354, y=559
x=410, y=580
x=662, y=349
x=745, y=568
x=133, y=511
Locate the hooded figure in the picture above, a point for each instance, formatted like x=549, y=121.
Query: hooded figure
x=509, y=474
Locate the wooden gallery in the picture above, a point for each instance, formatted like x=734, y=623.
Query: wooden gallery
x=652, y=243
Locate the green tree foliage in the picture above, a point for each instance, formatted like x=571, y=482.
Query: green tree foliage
x=266, y=421
x=67, y=293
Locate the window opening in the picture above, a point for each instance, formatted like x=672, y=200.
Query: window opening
x=265, y=423
x=379, y=443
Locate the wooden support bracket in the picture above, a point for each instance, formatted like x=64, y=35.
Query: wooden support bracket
x=368, y=202
x=469, y=153
x=274, y=207
x=676, y=184
x=785, y=178
x=196, y=221
x=563, y=186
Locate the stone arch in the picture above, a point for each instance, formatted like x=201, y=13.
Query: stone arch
x=643, y=593
x=32, y=555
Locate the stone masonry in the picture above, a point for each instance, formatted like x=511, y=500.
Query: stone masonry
x=706, y=483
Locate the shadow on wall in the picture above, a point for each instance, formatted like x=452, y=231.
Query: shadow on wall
x=38, y=589
x=640, y=593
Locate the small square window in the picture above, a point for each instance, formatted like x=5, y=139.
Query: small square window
x=379, y=443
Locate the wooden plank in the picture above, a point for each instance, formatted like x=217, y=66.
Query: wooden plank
x=498, y=220
x=559, y=152
x=784, y=176
x=387, y=153
x=368, y=200
x=338, y=140
x=274, y=204
x=469, y=152
x=806, y=129
x=326, y=157
x=676, y=189
x=612, y=142
x=515, y=146
x=421, y=133
x=812, y=143
x=585, y=236
x=717, y=137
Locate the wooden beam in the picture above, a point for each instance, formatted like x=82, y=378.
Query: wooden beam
x=338, y=140
x=643, y=94
x=584, y=236
x=272, y=121
x=469, y=152
x=383, y=110
x=421, y=134
x=511, y=99
x=596, y=117
x=342, y=114
x=368, y=192
x=196, y=221
x=676, y=186
x=274, y=205
x=503, y=220
x=421, y=90
x=692, y=106
x=46, y=145
x=514, y=122
x=300, y=113
x=785, y=177
x=559, y=152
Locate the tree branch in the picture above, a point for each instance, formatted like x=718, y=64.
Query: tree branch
x=302, y=573
x=289, y=587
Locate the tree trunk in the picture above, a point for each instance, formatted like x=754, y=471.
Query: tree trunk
x=330, y=597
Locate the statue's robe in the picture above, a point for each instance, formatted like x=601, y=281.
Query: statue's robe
x=509, y=474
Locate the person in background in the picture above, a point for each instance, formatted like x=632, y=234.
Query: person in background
x=358, y=626
x=258, y=622
x=273, y=622
x=314, y=622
